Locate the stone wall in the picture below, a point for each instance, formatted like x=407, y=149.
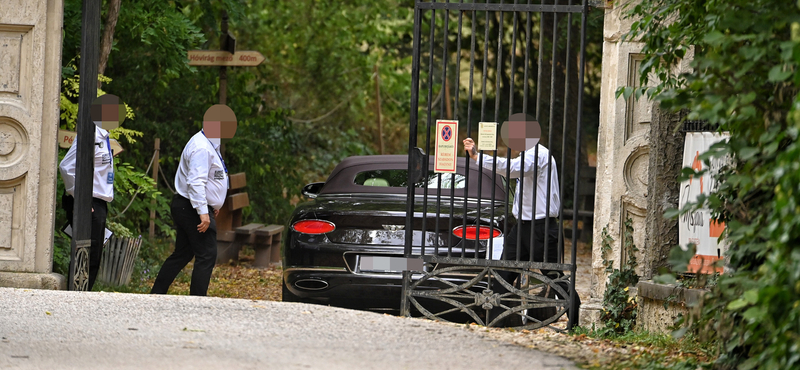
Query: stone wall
x=661, y=305
x=30, y=77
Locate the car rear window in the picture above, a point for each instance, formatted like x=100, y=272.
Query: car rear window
x=399, y=179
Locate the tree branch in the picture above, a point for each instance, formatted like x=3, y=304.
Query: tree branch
x=108, y=36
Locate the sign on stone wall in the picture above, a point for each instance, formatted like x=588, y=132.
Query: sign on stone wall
x=697, y=227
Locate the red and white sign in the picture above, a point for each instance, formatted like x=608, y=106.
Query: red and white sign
x=446, y=146
x=66, y=138
x=697, y=227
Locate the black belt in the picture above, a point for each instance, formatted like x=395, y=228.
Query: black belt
x=540, y=221
x=180, y=197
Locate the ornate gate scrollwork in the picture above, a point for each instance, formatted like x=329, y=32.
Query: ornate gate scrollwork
x=538, y=302
x=80, y=266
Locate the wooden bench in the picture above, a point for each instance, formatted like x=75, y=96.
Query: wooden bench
x=265, y=241
x=268, y=246
x=231, y=235
x=229, y=220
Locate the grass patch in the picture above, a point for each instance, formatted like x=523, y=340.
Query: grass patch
x=645, y=350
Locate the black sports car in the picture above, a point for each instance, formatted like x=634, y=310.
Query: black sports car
x=359, y=214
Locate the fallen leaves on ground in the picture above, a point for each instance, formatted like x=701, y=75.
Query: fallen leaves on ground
x=590, y=352
x=234, y=281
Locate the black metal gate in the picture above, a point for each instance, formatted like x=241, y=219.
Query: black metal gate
x=507, y=52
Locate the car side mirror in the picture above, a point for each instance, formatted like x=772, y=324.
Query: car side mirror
x=312, y=190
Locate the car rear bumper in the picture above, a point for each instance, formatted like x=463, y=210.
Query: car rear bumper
x=342, y=288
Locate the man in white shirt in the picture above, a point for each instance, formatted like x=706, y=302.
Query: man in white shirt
x=541, y=203
x=103, y=179
x=201, y=184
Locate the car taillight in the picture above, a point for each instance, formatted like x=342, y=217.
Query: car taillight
x=313, y=227
x=482, y=232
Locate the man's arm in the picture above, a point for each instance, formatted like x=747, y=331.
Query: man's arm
x=515, y=164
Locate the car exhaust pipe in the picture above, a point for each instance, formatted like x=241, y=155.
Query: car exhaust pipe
x=311, y=284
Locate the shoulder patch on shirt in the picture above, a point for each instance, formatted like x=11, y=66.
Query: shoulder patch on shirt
x=219, y=175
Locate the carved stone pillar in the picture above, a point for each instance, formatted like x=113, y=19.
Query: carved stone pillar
x=623, y=152
x=30, y=77
x=624, y=149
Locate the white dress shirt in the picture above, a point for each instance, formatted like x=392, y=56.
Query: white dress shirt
x=103, y=182
x=528, y=181
x=202, y=176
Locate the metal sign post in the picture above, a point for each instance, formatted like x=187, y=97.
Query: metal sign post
x=227, y=56
x=84, y=166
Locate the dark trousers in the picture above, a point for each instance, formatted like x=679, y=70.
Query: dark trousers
x=99, y=214
x=538, y=229
x=189, y=244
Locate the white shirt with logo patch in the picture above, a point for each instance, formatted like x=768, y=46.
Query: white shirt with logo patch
x=201, y=175
x=103, y=180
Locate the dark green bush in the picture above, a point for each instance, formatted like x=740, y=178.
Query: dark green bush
x=744, y=81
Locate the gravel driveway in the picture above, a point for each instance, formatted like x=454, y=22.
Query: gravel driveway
x=42, y=329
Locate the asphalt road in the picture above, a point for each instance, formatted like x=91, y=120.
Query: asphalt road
x=42, y=329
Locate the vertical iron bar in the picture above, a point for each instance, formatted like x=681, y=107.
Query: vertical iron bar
x=444, y=101
x=455, y=117
x=528, y=31
x=84, y=164
x=494, y=155
x=474, y=21
x=564, y=142
x=527, y=61
x=573, y=259
x=510, y=112
x=428, y=136
x=412, y=142
x=483, y=116
x=535, y=199
x=497, y=118
x=550, y=135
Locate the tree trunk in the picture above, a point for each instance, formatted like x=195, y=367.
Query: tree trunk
x=107, y=41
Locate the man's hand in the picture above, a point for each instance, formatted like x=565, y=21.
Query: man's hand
x=469, y=147
x=205, y=221
x=216, y=213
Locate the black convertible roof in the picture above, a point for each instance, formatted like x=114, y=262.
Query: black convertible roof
x=342, y=179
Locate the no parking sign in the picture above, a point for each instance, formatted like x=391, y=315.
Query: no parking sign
x=446, y=146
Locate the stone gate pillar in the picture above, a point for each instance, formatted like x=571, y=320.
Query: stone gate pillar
x=623, y=158
x=623, y=149
x=30, y=78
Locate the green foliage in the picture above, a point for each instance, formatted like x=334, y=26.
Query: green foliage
x=744, y=81
x=619, y=308
x=650, y=351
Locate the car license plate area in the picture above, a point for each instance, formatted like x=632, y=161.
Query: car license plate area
x=387, y=264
